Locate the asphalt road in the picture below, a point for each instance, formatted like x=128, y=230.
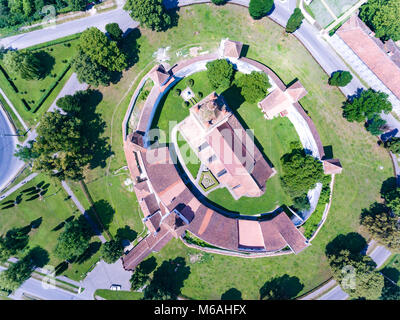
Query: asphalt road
x=9, y=165
x=335, y=294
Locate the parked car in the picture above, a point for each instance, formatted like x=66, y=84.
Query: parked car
x=115, y=287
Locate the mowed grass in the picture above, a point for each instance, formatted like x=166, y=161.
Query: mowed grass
x=356, y=188
x=54, y=209
x=56, y=58
x=118, y=295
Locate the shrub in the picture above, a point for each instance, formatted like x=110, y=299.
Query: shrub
x=220, y=73
x=375, y=125
x=340, y=78
x=177, y=92
x=144, y=94
x=200, y=94
x=301, y=203
x=219, y=2
x=185, y=104
x=253, y=86
x=260, y=8
x=190, y=82
x=294, y=21
x=393, y=145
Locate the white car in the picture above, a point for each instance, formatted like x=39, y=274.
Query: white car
x=115, y=287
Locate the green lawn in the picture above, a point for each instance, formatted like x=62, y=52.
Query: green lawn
x=356, y=188
x=53, y=209
x=57, y=57
x=118, y=295
x=392, y=269
x=191, y=160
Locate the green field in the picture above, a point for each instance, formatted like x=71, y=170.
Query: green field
x=354, y=189
x=57, y=57
x=54, y=209
x=118, y=295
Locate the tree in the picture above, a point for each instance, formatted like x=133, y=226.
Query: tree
x=139, y=279
x=392, y=199
x=77, y=5
x=295, y=21
x=167, y=280
x=150, y=13
x=26, y=64
x=260, y=8
x=382, y=17
x=220, y=73
x=111, y=251
x=62, y=147
x=114, y=31
x=12, y=278
x=301, y=203
x=357, y=275
x=368, y=104
x=253, y=86
x=100, y=49
x=375, y=125
x=219, y=2
x=390, y=291
x=382, y=226
x=74, y=240
x=26, y=153
x=340, y=78
x=393, y=145
x=89, y=71
x=300, y=172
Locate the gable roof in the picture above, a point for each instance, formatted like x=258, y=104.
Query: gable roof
x=371, y=51
x=332, y=166
x=159, y=75
x=232, y=48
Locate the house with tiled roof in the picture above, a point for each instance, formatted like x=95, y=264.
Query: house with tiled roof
x=332, y=166
x=381, y=58
x=278, y=101
x=222, y=144
x=232, y=49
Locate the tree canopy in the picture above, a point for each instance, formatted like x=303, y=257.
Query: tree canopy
x=26, y=64
x=382, y=16
x=340, y=78
x=89, y=71
x=295, y=21
x=62, y=146
x=365, y=106
x=253, y=86
x=102, y=50
x=150, y=13
x=260, y=8
x=17, y=273
x=220, y=73
x=375, y=125
x=356, y=274
x=219, y=2
x=301, y=172
x=111, y=251
x=114, y=31
x=393, y=145
x=74, y=240
x=26, y=153
x=382, y=225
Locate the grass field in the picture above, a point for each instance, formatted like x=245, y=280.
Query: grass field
x=57, y=57
x=362, y=159
x=191, y=160
x=53, y=209
x=118, y=295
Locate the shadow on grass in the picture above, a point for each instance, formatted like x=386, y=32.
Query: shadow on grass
x=281, y=288
x=126, y=233
x=105, y=213
x=353, y=241
x=232, y=294
x=39, y=256
x=94, y=247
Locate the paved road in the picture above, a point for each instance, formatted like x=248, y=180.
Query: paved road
x=9, y=165
x=380, y=254
x=335, y=294
x=19, y=185
x=68, y=28
x=34, y=287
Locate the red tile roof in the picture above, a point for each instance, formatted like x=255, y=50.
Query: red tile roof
x=371, y=51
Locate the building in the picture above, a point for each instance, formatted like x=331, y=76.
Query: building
x=161, y=77
x=222, y=144
x=332, y=166
x=232, y=49
x=278, y=101
x=381, y=58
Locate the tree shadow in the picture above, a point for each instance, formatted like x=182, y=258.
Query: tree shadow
x=281, y=288
x=167, y=280
x=105, y=212
x=388, y=186
x=232, y=294
x=126, y=233
x=353, y=241
x=130, y=46
x=36, y=223
x=392, y=273
x=60, y=268
x=148, y=266
x=47, y=63
x=94, y=247
x=373, y=210
x=39, y=256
